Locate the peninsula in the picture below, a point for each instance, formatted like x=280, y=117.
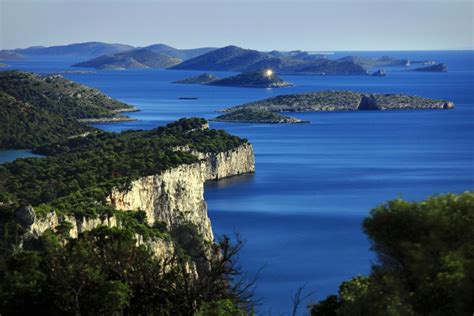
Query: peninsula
x=343, y=101
x=122, y=214
x=40, y=109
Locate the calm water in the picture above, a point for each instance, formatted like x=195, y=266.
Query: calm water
x=301, y=212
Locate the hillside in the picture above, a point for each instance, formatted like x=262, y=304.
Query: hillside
x=39, y=109
x=343, y=101
x=233, y=58
x=77, y=49
x=137, y=58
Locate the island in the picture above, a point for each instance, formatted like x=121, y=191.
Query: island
x=433, y=68
x=234, y=58
x=132, y=59
x=343, y=101
x=253, y=79
x=39, y=109
x=257, y=116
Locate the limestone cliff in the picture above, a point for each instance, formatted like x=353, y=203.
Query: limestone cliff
x=171, y=197
x=177, y=195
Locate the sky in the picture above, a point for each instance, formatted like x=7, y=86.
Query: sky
x=314, y=25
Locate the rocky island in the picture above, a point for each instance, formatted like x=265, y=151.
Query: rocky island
x=257, y=116
x=39, y=109
x=254, y=79
x=343, y=101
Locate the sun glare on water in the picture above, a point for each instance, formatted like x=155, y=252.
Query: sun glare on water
x=268, y=72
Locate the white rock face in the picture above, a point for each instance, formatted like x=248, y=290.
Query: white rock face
x=177, y=194
x=52, y=220
x=173, y=196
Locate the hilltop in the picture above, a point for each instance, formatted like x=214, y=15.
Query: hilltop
x=137, y=58
x=343, y=101
x=39, y=109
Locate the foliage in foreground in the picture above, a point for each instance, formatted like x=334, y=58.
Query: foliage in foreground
x=105, y=272
x=425, y=261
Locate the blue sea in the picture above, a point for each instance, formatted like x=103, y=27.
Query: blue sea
x=301, y=212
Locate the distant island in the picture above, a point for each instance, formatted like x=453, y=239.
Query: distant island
x=343, y=101
x=76, y=49
x=233, y=58
x=140, y=58
x=253, y=79
x=250, y=115
x=433, y=68
x=39, y=109
x=366, y=62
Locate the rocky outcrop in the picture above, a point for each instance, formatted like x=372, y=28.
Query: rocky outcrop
x=52, y=220
x=379, y=73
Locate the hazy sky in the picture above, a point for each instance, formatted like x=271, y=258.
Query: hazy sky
x=259, y=24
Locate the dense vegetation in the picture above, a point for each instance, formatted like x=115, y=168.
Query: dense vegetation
x=106, y=272
x=425, y=261
x=39, y=109
x=343, y=101
x=79, y=173
x=256, y=116
x=110, y=271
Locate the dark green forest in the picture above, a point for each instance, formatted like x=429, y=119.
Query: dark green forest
x=425, y=265
x=79, y=173
x=35, y=109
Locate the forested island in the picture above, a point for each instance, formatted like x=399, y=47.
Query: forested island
x=254, y=79
x=343, y=101
x=41, y=109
